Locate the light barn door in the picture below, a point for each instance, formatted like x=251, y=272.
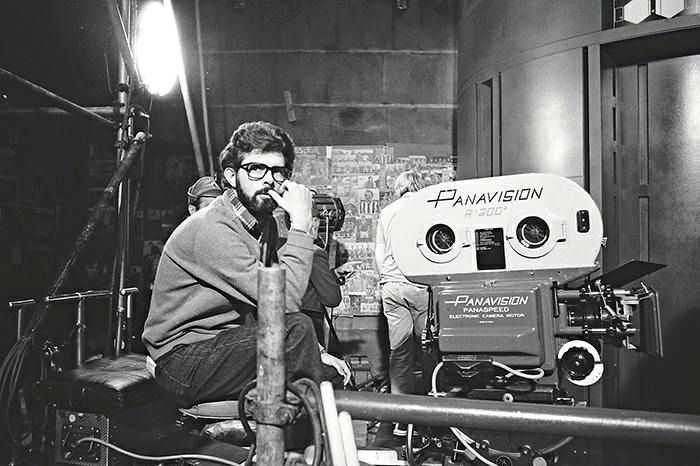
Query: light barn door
x=658, y=219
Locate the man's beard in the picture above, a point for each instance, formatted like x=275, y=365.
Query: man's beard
x=259, y=203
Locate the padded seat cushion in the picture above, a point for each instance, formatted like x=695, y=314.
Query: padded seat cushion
x=102, y=386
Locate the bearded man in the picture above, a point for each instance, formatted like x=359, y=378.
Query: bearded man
x=201, y=329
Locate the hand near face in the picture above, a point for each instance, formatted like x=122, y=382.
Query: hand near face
x=296, y=201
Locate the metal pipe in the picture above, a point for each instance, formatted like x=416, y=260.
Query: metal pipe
x=20, y=305
x=124, y=194
x=93, y=220
x=189, y=110
x=203, y=89
x=271, y=370
x=129, y=293
x=348, y=435
x=333, y=434
x=122, y=37
x=104, y=111
x=57, y=100
x=77, y=295
x=20, y=319
x=119, y=333
x=605, y=423
x=80, y=333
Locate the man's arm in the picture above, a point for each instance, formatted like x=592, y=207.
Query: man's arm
x=324, y=280
x=228, y=263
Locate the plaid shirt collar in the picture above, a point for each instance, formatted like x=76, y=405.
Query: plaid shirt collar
x=250, y=223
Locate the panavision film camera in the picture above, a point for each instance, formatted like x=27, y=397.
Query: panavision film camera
x=514, y=312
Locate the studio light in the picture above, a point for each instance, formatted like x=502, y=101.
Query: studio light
x=157, y=51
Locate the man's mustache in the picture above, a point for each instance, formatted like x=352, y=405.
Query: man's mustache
x=265, y=191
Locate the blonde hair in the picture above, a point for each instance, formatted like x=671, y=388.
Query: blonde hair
x=408, y=181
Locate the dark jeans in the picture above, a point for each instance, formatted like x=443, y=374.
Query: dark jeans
x=218, y=369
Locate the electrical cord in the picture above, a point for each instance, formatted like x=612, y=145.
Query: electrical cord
x=461, y=436
x=311, y=385
x=468, y=441
x=315, y=423
x=160, y=459
x=241, y=410
x=536, y=373
x=315, y=419
x=12, y=376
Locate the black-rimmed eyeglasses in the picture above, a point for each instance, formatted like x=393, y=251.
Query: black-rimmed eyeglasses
x=257, y=171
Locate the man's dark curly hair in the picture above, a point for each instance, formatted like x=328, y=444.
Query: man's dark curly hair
x=259, y=135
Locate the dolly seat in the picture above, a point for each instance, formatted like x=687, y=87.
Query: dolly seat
x=104, y=385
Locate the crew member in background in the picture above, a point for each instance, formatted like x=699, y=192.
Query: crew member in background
x=202, y=193
x=324, y=292
x=405, y=304
x=197, y=332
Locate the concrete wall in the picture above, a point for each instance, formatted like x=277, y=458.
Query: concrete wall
x=359, y=71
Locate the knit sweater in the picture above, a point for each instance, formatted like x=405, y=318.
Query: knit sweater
x=207, y=279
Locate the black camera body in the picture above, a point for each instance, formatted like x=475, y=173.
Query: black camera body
x=331, y=211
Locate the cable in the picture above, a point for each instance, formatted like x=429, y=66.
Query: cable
x=315, y=423
x=555, y=446
x=12, y=376
x=241, y=410
x=537, y=374
x=136, y=456
x=251, y=455
x=410, y=454
x=461, y=436
x=319, y=406
x=465, y=439
x=433, y=385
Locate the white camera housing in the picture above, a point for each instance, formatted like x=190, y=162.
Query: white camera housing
x=517, y=223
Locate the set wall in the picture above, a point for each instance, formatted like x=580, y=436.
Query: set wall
x=359, y=71
x=549, y=89
x=533, y=101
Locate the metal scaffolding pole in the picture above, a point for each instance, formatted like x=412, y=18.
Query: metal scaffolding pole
x=189, y=109
x=94, y=219
x=121, y=34
x=57, y=100
x=270, y=372
x=203, y=90
x=605, y=423
x=126, y=71
x=107, y=112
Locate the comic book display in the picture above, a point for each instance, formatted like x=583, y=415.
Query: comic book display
x=363, y=178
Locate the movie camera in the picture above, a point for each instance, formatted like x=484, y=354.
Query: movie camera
x=501, y=256
x=331, y=212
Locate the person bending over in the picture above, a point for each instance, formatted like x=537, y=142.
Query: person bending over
x=322, y=292
x=201, y=331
